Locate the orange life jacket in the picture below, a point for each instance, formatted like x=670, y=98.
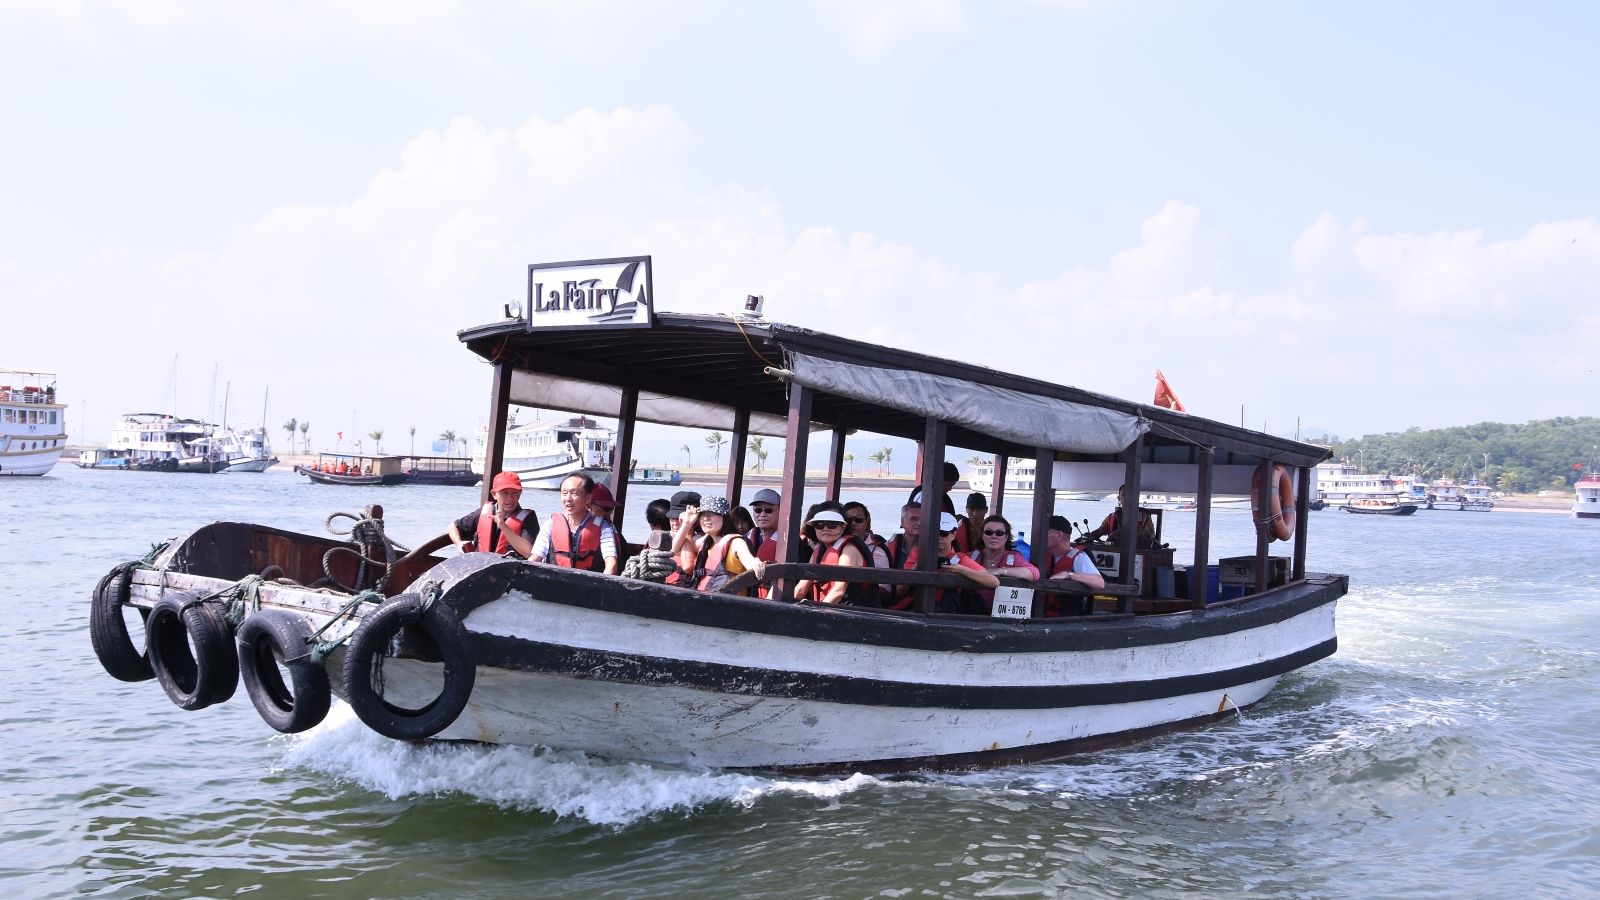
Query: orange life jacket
x=486, y=529
x=855, y=593
x=587, y=556
x=713, y=573
x=1060, y=566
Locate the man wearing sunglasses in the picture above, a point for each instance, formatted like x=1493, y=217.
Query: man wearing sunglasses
x=764, y=538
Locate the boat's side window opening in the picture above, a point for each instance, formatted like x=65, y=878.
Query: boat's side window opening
x=11, y=415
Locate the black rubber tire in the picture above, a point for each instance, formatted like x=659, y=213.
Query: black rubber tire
x=276, y=637
x=108, y=631
x=210, y=672
x=371, y=641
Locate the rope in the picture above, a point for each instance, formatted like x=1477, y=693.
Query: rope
x=320, y=651
x=366, y=532
x=751, y=344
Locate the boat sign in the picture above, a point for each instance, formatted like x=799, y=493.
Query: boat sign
x=1012, y=603
x=589, y=292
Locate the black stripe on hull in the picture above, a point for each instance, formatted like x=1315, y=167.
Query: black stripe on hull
x=517, y=654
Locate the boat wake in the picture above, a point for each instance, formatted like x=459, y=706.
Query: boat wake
x=566, y=784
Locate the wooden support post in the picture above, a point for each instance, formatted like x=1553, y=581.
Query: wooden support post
x=741, y=442
x=835, y=463
x=1302, y=519
x=932, y=467
x=1263, y=520
x=494, y=453
x=622, y=450
x=1044, y=506
x=792, y=508
x=997, y=491
x=1202, y=528
x=1129, y=522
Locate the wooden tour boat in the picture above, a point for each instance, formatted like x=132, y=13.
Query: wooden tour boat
x=1379, y=506
x=477, y=647
x=356, y=469
x=448, y=470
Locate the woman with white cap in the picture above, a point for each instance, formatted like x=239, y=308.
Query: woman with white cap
x=720, y=552
x=834, y=545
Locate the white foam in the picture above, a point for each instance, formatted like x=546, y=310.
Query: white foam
x=563, y=783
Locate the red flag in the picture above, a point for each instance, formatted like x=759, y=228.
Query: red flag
x=1164, y=395
x=1577, y=467
x=340, y=437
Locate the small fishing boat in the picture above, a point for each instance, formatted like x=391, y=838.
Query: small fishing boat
x=477, y=647
x=33, y=426
x=666, y=477
x=355, y=469
x=1379, y=506
x=446, y=470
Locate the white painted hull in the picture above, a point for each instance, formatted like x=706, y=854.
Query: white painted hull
x=1450, y=505
x=652, y=718
x=549, y=477
x=29, y=462
x=251, y=465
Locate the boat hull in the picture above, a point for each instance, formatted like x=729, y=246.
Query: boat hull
x=1404, y=509
x=388, y=480
x=734, y=683
x=29, y=462
x=252, y=465
x=549, y=478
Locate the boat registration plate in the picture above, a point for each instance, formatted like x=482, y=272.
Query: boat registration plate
x=1012, y=603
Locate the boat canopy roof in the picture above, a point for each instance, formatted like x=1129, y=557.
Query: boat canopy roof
x=697, y=370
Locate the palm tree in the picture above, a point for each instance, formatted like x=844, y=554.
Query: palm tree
x=449, y=437
x=850, y=461
x=305, y=434
x=688, y=456
x=877, y=456
x=759, y=463
x=377, y=440
x=290, y=426
x=715, y=440
x=887, y=453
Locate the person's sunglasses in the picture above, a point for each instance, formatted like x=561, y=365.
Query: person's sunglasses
x=989, y=532
x=821, y=525
x=858, y=520
x=763, y=510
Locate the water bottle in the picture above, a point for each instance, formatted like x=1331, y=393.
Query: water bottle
x=1022, y=546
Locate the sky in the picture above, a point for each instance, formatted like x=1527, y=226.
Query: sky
x=1360, y=216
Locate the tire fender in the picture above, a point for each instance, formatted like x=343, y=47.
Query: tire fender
x=274, y=638
x=108, y=631
x=370, y=644
x=210, y=672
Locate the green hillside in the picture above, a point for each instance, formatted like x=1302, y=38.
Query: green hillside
x=1550, y=453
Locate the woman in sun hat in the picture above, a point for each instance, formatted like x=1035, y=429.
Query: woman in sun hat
x=834, y=545
x=720, y=552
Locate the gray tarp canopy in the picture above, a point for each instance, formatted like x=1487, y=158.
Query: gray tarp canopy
x=1024, y=419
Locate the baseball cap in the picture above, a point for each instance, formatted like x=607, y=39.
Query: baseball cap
x=767, y=495
x=506, y=481
x=1060, y=523
x=602, y=497
x=976, y=500
x=679, y=501
x=947, y=522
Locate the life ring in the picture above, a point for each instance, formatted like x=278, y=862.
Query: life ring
x=108, y=630
x=197, y=678
x=274, y=641
x=370, y=644
x=1282, y=517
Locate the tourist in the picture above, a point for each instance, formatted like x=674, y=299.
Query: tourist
x=969, y=536
x=576, y=538
x=1066, y=562
x=951, y=476
x=834, y=545
x=860, y=521
x=501, y=525
x=682, y=555
x=954, y=562
x=1111, y=526
x=999, y=555
x=719, y=553
x=901, y=545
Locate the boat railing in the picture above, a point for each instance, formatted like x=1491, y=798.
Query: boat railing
x=27, y=395
x=793, y=572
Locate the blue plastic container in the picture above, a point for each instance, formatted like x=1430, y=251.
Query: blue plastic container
x=1213, y=583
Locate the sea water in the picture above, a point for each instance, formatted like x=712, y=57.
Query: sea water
x=1449, y=749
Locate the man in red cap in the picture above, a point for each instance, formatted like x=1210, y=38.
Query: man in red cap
x=502, y=525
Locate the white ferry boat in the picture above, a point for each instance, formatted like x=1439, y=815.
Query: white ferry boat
x=159, y=443
x=1446, y=494
x=1019, y=480
x=1475, y=496
x=33, y=426
x=246, y=451
x=1586, y=504
x=1339, y=482
x=543, y=453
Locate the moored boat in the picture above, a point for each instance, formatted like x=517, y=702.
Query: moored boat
x=478, y=647
x=33, y=425
x=157, y=442
x=1475, y=497
x=1586, y=493
x=543, y=453
x=1445, y=494
x=446, y=470
x=355, y=469
x=667, y=477
x=1379, y=506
